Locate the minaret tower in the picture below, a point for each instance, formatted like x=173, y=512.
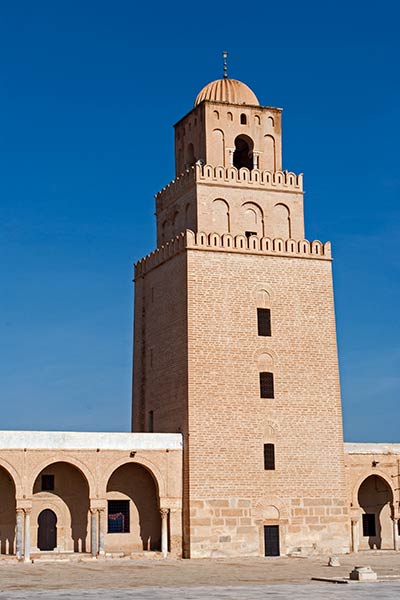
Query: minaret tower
x=235, y=342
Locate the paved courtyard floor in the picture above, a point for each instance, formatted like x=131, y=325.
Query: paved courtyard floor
x=233, y=579
x=370, y=591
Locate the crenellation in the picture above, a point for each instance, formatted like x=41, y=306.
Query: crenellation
x=227, y=176
x=229, y=243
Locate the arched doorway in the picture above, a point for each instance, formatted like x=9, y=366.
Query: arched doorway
x=133, y=514
x=47, y=530
x=62, y=489
x=375, y=498
x=243, y=154
x=7, y=513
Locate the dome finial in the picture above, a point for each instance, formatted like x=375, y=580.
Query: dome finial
x=225, y=57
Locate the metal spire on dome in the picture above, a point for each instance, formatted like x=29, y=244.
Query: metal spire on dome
x=225, y=57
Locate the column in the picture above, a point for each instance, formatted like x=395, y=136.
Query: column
x=175, y=532
x=93, y=531
x=19, y=532
x=395, y=534
x=355, y=535
x=27, y=544
x=164, y=531
x=102, y=530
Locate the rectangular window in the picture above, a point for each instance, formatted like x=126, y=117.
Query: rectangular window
x=264, y=321
x=269, y=457
x=369, y=528
x=266, y=385
x=118, y=516
x=47, y=483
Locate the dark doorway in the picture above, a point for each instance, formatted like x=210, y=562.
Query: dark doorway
x=271, y=540
x=243, y=154
x=47, y=531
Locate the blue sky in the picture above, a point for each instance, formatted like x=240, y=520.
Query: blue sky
x=89, y=94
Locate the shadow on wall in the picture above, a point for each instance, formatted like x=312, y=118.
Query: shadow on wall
x=71, y=487
x=7, y=513
x=136, y=483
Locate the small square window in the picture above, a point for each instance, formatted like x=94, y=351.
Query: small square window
x=266, y=385
x=269, y=457
x=264, y=321
x=47, y=483
x=118, y=516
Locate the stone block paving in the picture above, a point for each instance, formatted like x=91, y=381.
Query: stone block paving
x=203, y=579
x=313, y=591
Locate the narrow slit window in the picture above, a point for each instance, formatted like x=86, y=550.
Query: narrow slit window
x=243, y=119
x=269, y=457
x=264, y=321
x=151, y=421
x=266, y=385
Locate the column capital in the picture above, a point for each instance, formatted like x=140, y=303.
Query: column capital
x=93, y=511
x=27, y=511
x=164, y=512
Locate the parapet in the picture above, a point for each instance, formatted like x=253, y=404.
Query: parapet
x=237, y=244
x=229, y=176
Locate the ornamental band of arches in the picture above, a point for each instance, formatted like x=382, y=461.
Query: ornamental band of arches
x=250, y=220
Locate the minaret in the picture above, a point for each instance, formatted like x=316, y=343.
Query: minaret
x=235, y=342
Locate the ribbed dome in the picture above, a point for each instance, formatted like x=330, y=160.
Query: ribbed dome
x=227, y=90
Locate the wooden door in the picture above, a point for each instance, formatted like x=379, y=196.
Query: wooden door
x=47, y=531
x=271, y=540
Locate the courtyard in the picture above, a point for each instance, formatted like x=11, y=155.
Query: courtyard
x=121, y=579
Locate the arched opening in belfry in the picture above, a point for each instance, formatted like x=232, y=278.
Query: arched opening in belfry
x=375, y=498
x=7, y=513
x=64, y=490
x=133, y=513
x=243, y=154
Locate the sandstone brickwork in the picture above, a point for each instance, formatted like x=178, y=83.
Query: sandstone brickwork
x=231, y=235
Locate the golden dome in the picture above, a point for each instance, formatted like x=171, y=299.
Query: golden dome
x=227, y=90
